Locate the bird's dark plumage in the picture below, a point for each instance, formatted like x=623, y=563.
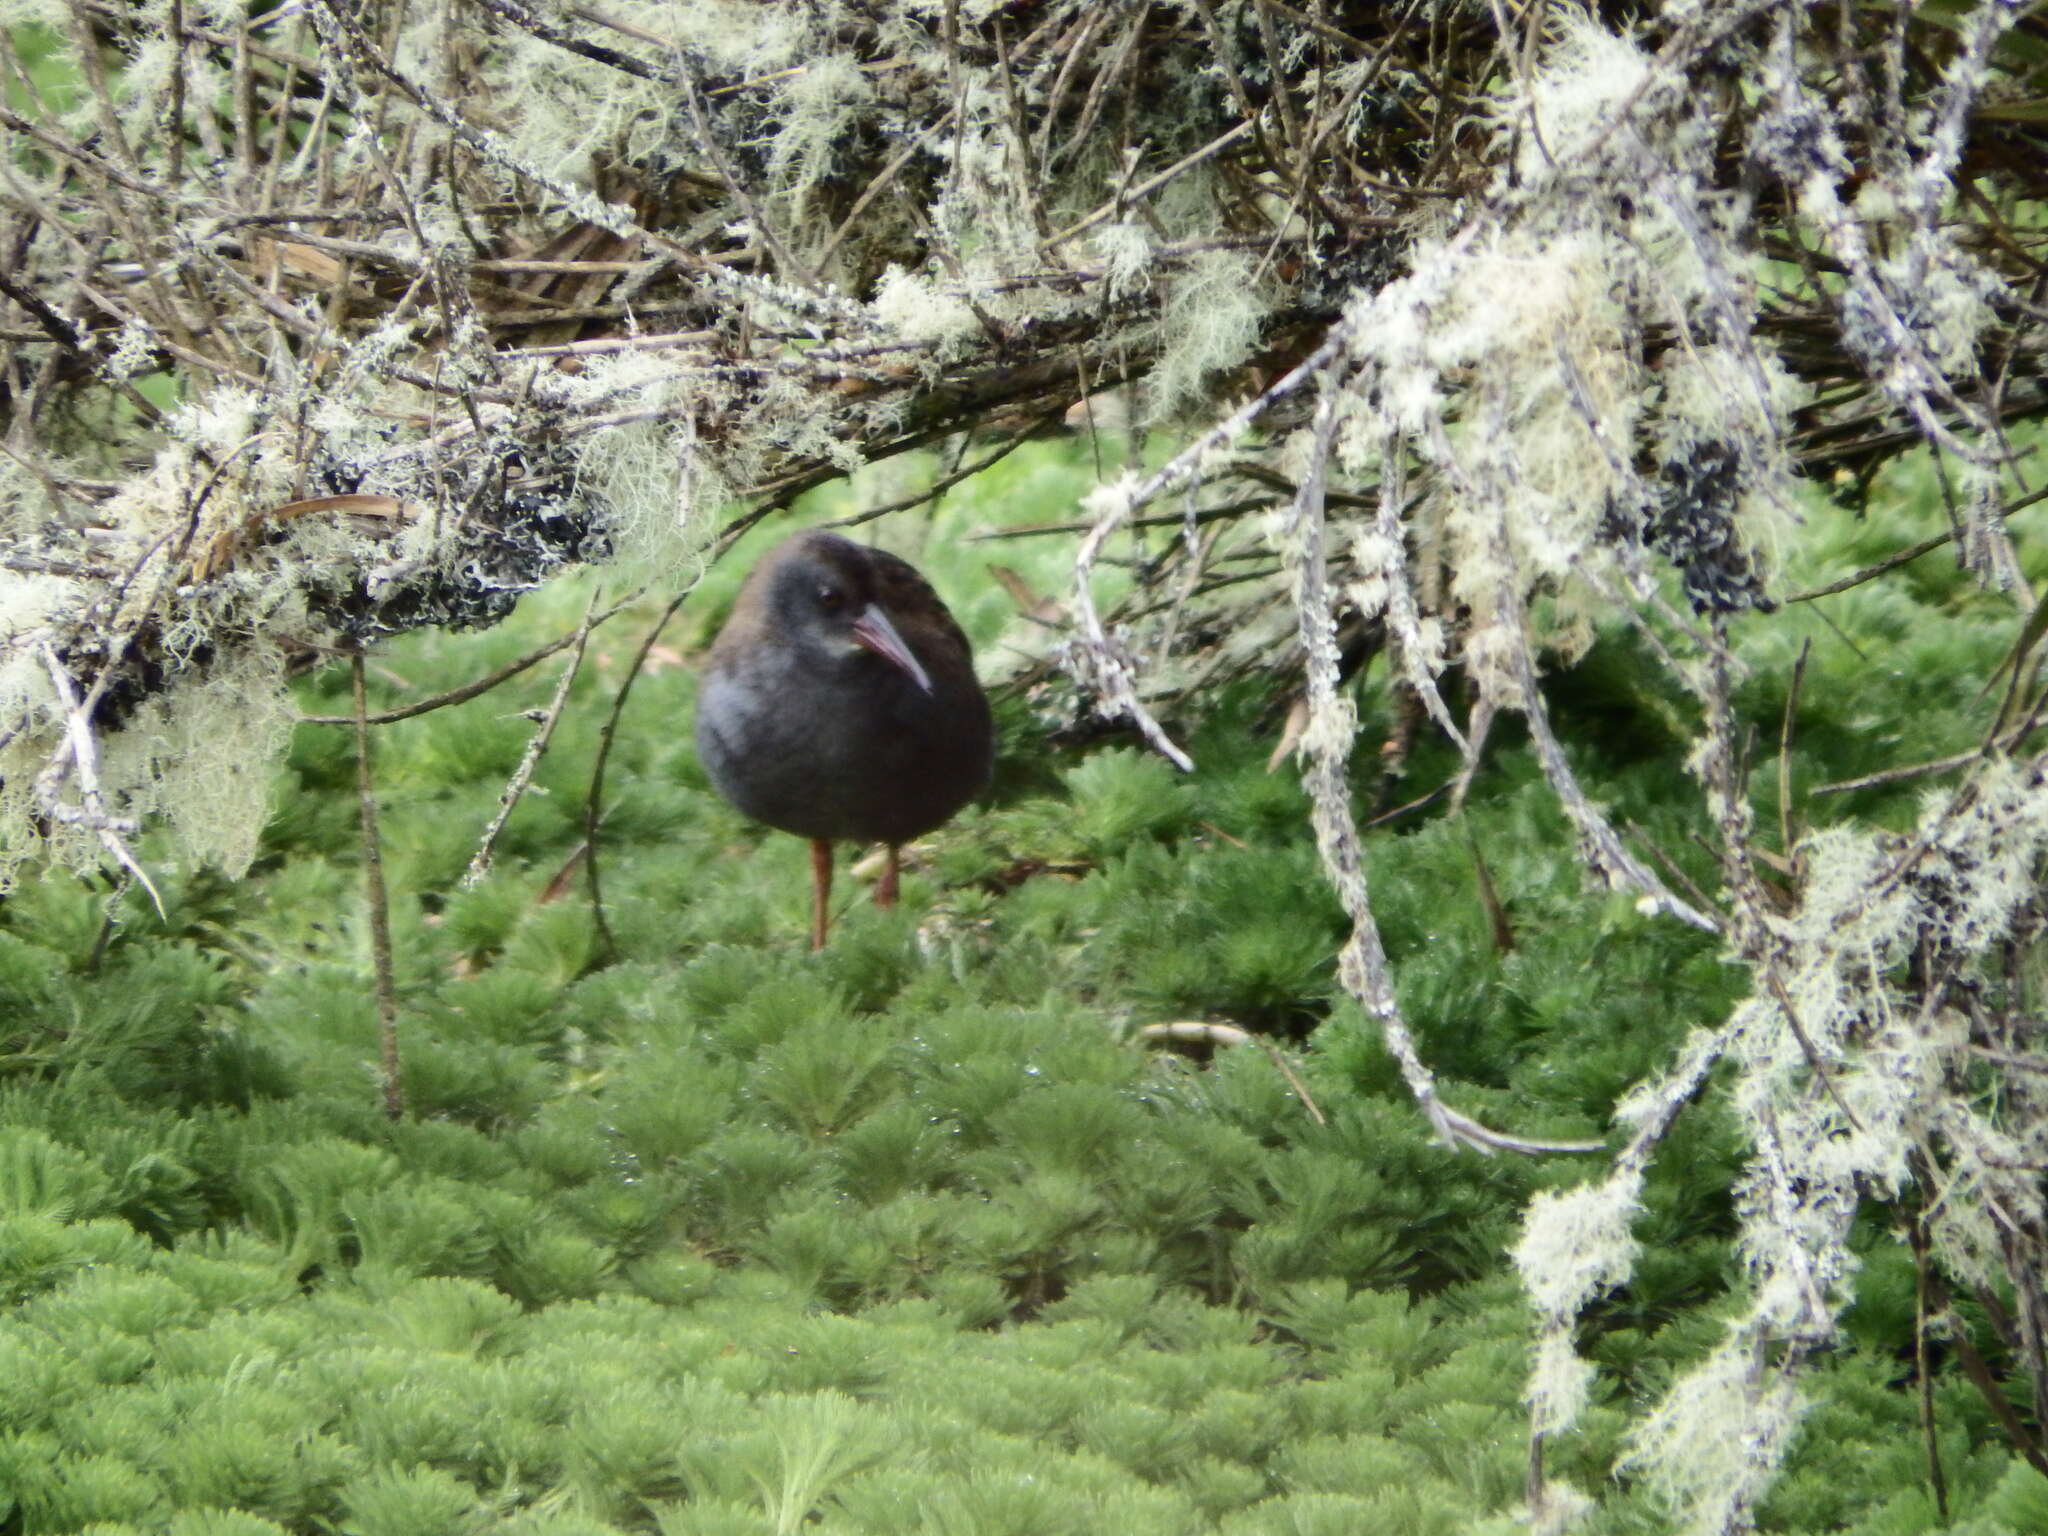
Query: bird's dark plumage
x=840, y=701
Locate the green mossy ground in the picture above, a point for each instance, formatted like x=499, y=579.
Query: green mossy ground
x=721, y=1237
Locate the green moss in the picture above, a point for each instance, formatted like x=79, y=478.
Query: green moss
x=716, y=1235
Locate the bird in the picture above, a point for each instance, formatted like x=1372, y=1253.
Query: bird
x=839, y=702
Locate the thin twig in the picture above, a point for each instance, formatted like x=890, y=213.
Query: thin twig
x=379, y=907
x=110, y=923
x=79, y=755
x=1785, y=750
x=1901, y=775
x=1151, y=184
x=593, y=802
x=1109, y=672
x=1923, y=1366
x=1908, y=555
x=945, y=483
x=880, y=183
x=1195, y=1032
x=707, y=140
x=489, y=680
x=1776, y=987
x=480, y=862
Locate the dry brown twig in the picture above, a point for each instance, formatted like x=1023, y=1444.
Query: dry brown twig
x=1196, y=1032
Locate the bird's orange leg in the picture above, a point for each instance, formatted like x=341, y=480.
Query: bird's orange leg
x=885, y=888
x=821, y=889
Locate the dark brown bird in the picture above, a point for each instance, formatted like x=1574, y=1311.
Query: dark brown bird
x=840, y=701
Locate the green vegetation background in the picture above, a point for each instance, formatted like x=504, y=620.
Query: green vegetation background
x=725, y=1238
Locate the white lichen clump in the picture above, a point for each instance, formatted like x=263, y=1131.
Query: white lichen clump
x=1537, y=464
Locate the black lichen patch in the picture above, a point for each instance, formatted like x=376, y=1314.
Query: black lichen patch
x=1693, y=526
x=528, y=537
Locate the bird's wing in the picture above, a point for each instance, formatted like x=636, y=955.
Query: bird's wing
x=911, y=601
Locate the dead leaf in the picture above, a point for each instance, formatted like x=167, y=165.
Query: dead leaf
x=1500, y=932
x=1040, y=610
x=1291, y=732
x=1198, y=1032
x=558, y=886
x=303, y=259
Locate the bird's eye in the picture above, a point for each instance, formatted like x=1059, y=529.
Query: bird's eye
x=831, y=599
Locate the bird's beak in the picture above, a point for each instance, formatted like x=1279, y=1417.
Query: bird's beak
x=873, y=631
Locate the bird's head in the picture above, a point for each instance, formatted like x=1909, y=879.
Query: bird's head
x=825, y=598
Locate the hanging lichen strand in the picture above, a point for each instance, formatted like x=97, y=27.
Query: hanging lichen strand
x=1574, y=385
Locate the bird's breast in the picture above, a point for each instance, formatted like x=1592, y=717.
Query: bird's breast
x=860, y=752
